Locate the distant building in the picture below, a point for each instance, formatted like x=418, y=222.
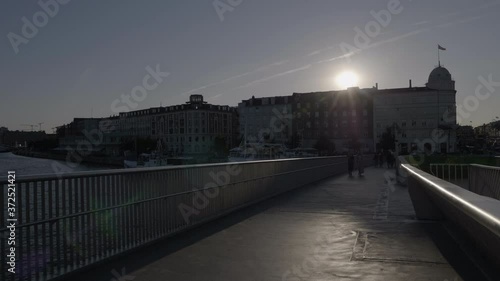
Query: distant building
x=344, y=117
x=21, y=138
x=420, y=118
x=85, y=135
x=186, y=129
x=267, y=119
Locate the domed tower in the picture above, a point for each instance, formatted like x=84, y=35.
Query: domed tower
x=440, y=79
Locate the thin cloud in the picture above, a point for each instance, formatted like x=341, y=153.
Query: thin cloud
x=317, y=52
x=215, y=97
x=396, y=38
x=352, y=53
x=480, y=7
x=452, y=14
x=377, y=44
x=313, y=53
x=235, y=77
x=452, y=23
x=421, y=22
x=275, y=76
x=340, y=57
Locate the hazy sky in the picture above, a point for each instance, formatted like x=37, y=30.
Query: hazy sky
x=91, y=52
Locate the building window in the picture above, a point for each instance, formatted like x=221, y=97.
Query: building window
x=354, y=112
x=316, y=114
x=403, y=123
x=413, y=123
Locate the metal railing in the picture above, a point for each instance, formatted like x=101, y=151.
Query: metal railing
x=475, y=215
x=70, y=222
x=485, y=180
x=454, y=173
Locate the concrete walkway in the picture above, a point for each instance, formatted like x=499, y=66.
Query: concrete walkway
x=342, y=228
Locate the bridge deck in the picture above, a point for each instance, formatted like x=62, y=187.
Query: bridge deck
x=339, y=229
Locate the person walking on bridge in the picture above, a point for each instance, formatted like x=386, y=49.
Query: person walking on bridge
x=350, y=162
x=359, y=163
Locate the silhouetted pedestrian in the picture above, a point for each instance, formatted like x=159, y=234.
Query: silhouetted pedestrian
x=390, y=159
x=359, y=163
x=350, y=163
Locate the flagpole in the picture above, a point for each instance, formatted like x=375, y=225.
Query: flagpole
x=439, y=59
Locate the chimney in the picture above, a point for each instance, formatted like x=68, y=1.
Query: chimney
x=410, y=83
x=376, y=86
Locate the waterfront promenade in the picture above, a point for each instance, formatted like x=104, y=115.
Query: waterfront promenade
x=340, y=228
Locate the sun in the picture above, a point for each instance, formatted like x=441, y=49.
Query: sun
x=347, y=79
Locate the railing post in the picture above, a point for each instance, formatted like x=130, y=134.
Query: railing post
x=455, y=172
x=469, y=170
x=139, y=205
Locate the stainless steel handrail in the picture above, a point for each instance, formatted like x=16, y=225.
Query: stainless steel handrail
x=78, y=219
x=48, y=177
x=484, y=210
x=485, y=180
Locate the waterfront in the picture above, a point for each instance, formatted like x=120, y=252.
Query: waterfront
x=24, y=166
